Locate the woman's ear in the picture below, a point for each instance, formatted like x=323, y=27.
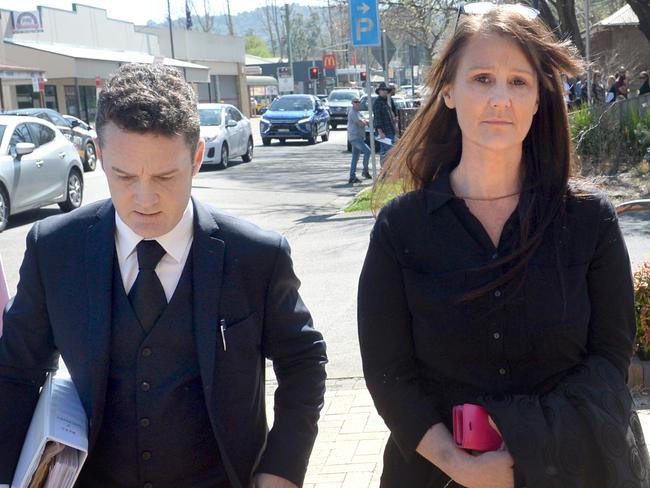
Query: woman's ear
x=448, y=97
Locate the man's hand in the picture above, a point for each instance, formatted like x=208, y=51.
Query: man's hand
x=381, y=133
x=265, y=480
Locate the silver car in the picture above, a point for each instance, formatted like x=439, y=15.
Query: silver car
x=227, y=134
x=38, y=167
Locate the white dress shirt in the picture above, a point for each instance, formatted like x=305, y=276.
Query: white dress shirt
x=176, y=243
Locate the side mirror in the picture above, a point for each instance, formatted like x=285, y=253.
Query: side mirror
x=74, y=123
x=231, y=123
x=23, y=148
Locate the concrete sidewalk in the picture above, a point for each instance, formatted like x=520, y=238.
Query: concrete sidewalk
x=348, y=450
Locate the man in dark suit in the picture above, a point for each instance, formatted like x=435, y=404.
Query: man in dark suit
x=163, y=310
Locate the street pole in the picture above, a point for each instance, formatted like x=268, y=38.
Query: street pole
x=171, y=34
x=315, y=82
x=411, y=61
x=287, y=21
x=588, y=53
x=371, y=122
x=385, y=53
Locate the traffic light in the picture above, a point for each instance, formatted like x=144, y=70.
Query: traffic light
x=313, y=73
x=363, y=75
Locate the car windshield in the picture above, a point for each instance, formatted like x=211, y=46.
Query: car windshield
x=210, y=116
x=364, y=103
x=342, y=96
x=285, y=104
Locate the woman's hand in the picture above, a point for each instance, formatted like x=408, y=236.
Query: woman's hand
x=487, y=470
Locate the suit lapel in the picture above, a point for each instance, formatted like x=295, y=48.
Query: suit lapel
x=100, y=249
x=207, y=279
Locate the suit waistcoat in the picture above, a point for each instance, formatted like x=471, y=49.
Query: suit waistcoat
x=155, y=430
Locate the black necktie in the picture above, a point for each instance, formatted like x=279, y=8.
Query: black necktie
x=147, y=295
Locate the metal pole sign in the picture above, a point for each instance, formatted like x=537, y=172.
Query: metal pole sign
x=371, y=122
x=364, y=22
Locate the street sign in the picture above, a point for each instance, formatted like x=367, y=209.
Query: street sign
x=329, y=61
x=364, y=22
x=378, y=52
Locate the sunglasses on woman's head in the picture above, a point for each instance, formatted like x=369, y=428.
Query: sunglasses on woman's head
x=480, y=8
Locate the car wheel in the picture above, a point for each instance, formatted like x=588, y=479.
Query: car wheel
x=325, y=137
x=90, y=157
x=266, y=141
x=224, y=155
x=74, y=191
x=4, y=209
x=283, y=141
x=314, y=135
x=248, y=157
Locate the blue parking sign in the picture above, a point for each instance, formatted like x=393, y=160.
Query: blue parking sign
x=364, y=22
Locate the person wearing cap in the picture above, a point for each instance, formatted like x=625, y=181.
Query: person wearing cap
x=356, y=136
x=384, y=120
x=645, y=83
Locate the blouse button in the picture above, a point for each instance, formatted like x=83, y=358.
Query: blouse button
x=502, y=371
x=496, y=335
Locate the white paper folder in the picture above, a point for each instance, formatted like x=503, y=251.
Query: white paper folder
x=59, y=418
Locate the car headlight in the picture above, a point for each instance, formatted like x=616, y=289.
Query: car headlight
x=265, y=121
x=305, y=120
x=210, y=138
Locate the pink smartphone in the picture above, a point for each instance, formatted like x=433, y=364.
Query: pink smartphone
x=472, y=430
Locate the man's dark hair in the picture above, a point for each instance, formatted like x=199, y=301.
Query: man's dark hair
x=149, y=98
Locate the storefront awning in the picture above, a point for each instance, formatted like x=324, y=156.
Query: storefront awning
x=90, y=63
x=9, y=72
x=254, y=80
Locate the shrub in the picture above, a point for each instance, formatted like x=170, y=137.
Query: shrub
x=642, y=303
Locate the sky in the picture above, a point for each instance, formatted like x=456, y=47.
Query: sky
x=139, y=11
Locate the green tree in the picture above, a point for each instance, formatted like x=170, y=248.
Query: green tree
x=257, y=46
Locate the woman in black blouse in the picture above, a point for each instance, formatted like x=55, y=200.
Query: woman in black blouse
x=496, y=282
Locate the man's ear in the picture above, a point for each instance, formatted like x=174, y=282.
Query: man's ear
x=198, y=157
x=448, y=96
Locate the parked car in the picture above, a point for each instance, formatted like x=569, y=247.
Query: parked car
x=295, y=117
x=38, y=167
x=86, y=152
x=88, y=140
x=340, y=102
x=227, y=134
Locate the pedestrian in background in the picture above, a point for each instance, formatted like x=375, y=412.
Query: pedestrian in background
x=384, y=120
x=357, y=138
x=495, y=281
x=645, y=83
x=611, y=89
x=164, y=310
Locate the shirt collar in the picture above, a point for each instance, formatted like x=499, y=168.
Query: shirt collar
x=173, y=242
x=438, y=192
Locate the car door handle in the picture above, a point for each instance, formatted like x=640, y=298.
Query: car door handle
x=40, y=163
x=61, y=155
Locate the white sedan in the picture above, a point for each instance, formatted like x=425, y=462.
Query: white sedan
x=226, y=132
x=38, y=167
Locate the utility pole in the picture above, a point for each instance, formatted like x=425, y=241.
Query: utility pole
x=588, y=52
x=287, y=22
x=385, y=55
x=171, y=34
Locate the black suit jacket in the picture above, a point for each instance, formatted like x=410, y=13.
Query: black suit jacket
x=241, y=274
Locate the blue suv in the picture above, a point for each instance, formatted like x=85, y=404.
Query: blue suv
x=295, y=117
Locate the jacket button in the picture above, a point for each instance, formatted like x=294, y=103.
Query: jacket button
x=147, y=485
x=144, y=386
x=497, y=293
x=146, y=455
x=146, y=352
x=496, y=336
x=145, y=422
x=502, y=371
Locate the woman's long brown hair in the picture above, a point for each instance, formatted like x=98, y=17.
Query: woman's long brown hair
x=433, y=141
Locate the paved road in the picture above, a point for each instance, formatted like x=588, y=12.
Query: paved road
x=298, y=190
